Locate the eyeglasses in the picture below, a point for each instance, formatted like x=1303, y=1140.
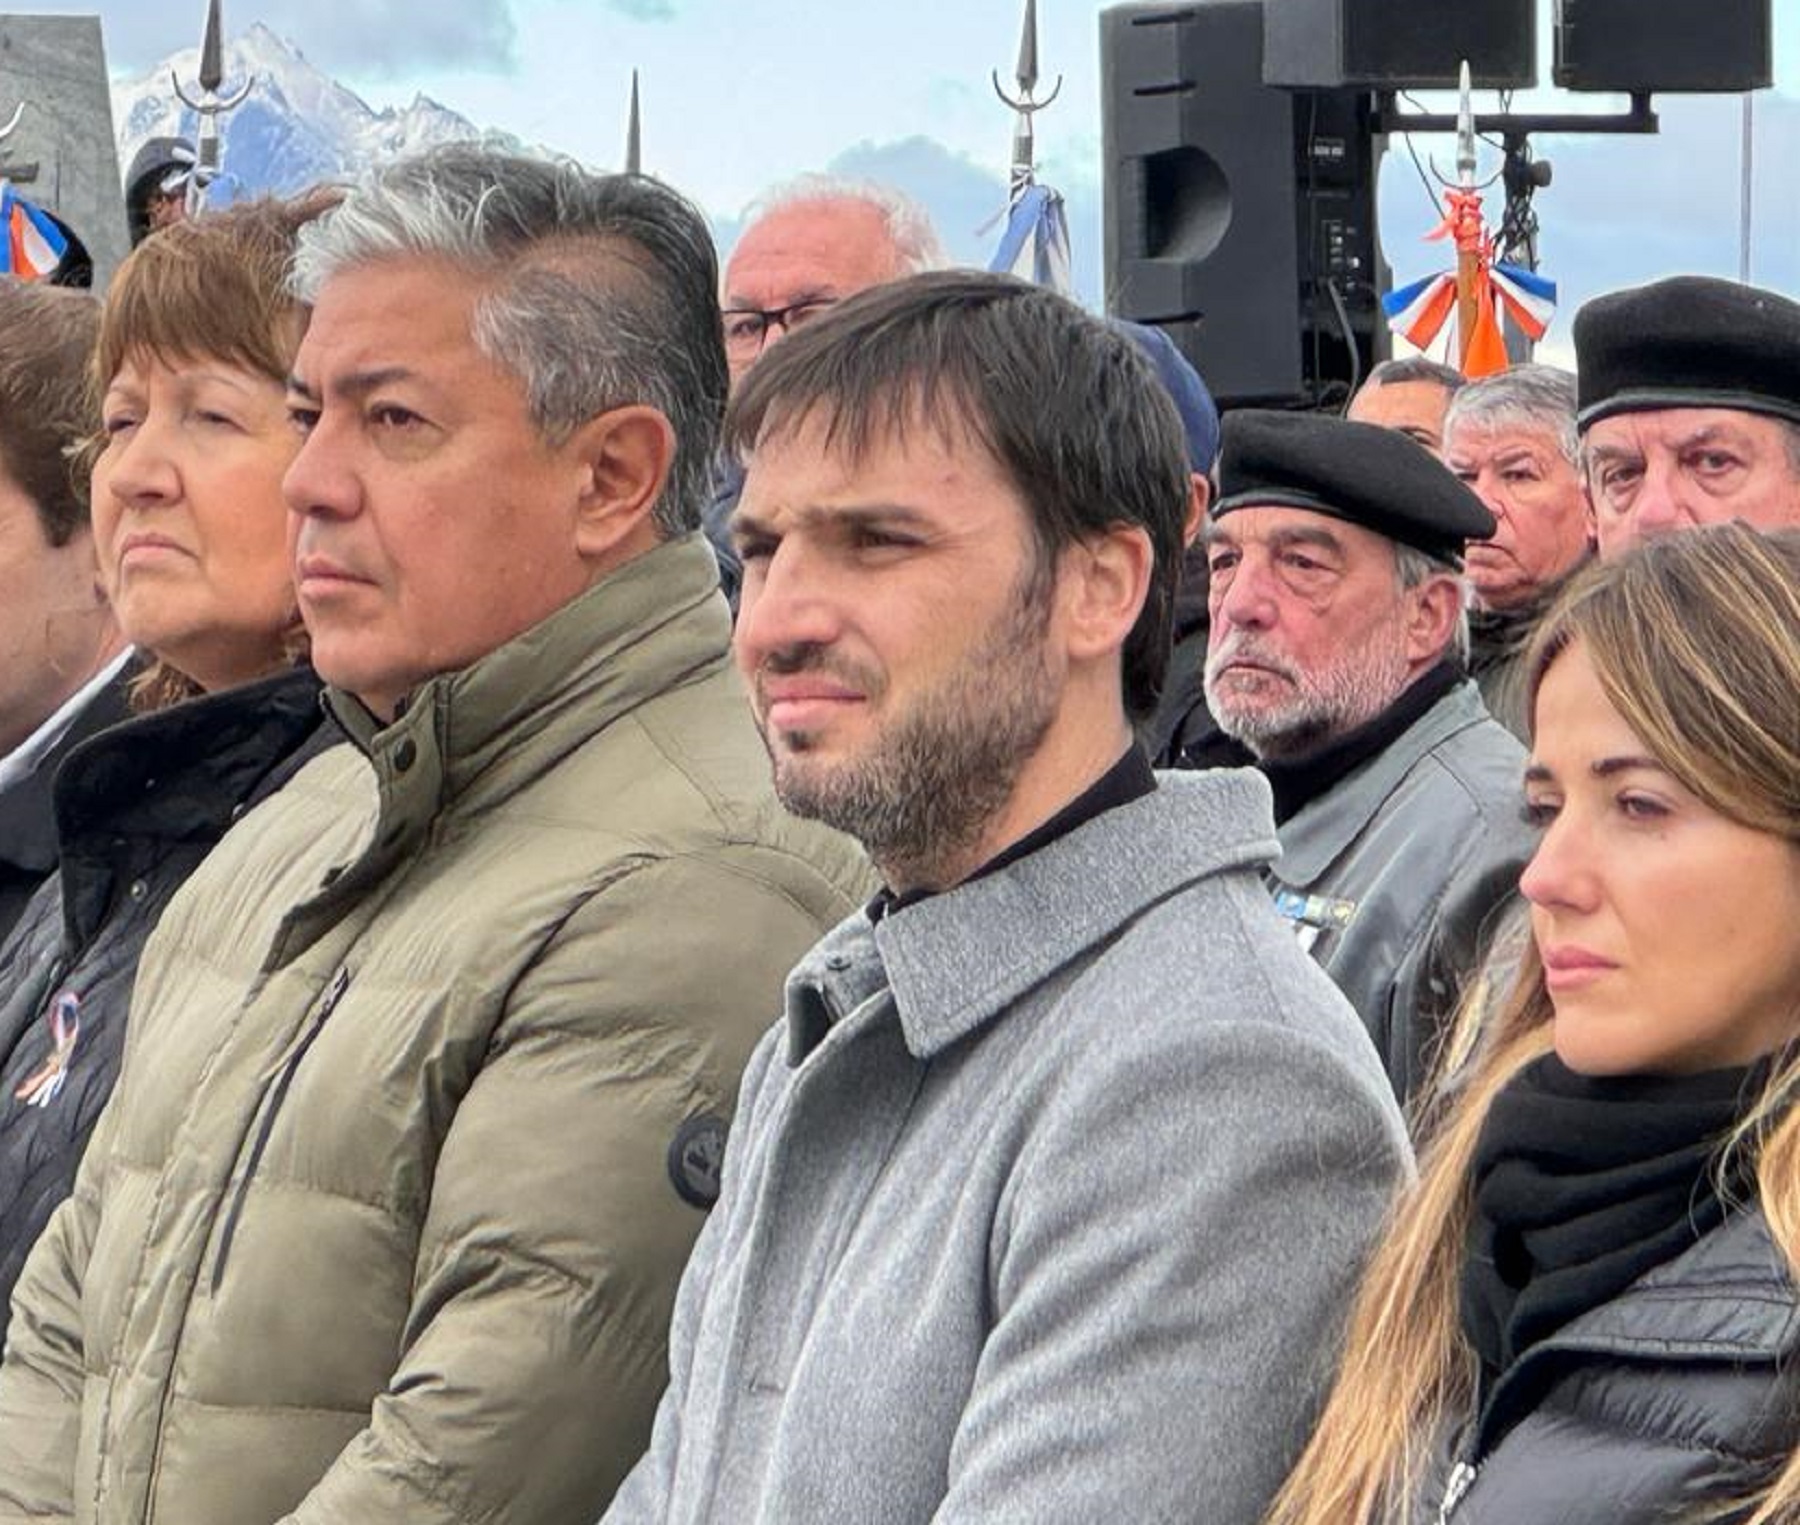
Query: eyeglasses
x=747, y=328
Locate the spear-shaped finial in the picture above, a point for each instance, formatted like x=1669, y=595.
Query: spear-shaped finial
x=1024, y=165
x=1465, y=131
x=210, y=107
x=634, y=133
x=212, y=50
x=1028, y=59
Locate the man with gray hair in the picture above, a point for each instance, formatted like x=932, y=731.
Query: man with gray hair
x=429, y=1063
x=1511, y=438
x=806, y=245
x=1336, y=659
x=809, y=243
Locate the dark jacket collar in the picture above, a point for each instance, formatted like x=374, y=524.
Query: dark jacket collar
x=181, y=774
x=1501, y=635
x=1298, y=781
x=1730, y=1297
x=28, y=836
x=1316, y=836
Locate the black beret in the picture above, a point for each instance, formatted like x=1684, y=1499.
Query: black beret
x=1689, y=342
x=1362, y=473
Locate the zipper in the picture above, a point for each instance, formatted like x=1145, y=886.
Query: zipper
x=273, y=1099
x=1456, y=1488
x=1480, y=1437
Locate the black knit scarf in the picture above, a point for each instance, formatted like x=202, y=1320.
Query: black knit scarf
x=1582, y=1185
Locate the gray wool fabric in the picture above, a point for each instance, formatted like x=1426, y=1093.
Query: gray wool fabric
x=1043, y=1202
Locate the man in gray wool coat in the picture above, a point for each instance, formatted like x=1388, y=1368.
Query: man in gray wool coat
x=1045, y=1196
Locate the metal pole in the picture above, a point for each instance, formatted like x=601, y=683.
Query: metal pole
x=1747, y=157
x=634, y=133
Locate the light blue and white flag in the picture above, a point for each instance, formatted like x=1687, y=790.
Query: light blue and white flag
x=1035, y=243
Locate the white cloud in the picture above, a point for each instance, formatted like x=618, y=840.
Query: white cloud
x=361, y=38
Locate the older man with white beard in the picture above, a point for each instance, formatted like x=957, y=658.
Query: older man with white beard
x=1337, y=658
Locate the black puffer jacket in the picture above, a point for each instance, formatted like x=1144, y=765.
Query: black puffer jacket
x=137, y=808
x=1679, y=1392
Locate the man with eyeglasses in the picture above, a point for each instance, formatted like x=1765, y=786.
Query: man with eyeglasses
x=1689, y=408
x=807, y=244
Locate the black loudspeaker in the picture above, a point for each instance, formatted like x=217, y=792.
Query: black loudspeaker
x=1400, y=44
x=1669, y=45
x=1239, y=217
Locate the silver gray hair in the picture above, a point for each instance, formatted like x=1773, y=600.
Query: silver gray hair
x=1413, y=567
x=1540, y=398
x=917, y=246
x=604, y=294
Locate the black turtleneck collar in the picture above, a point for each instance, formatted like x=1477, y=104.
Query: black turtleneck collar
x=1298, y=781
x=1130, y=778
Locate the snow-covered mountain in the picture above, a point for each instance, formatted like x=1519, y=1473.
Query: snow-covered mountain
x=298, y=127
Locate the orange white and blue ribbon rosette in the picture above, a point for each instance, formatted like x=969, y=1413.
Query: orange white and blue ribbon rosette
x=1426, y=309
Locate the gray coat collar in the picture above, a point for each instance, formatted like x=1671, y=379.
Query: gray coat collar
x=959, y=959
x=1314, y=838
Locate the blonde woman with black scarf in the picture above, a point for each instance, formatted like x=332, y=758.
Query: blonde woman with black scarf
x=1585, y=1308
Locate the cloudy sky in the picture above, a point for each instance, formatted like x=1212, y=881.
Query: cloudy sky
x=738, y=93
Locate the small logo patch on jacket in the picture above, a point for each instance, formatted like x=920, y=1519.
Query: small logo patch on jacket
x=694, y=1160
x=44, y=1084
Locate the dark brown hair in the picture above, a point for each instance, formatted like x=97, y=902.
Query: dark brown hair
x=46, y=410
x=213, y=286
x=1066, y=405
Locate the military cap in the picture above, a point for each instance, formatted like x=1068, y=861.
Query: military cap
x=1360, y=473
x=1691, y=341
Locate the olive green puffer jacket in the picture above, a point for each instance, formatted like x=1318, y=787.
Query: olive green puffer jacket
x=386, y=1217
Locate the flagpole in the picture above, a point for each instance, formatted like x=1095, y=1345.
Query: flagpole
x=1025, y=105
x=1469, y=274
x=634, y=134
x=1747, y=160
x=209, y=108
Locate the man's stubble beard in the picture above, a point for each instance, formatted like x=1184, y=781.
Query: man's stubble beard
x=936, y=774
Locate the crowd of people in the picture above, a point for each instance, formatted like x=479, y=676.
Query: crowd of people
x=807, y=892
